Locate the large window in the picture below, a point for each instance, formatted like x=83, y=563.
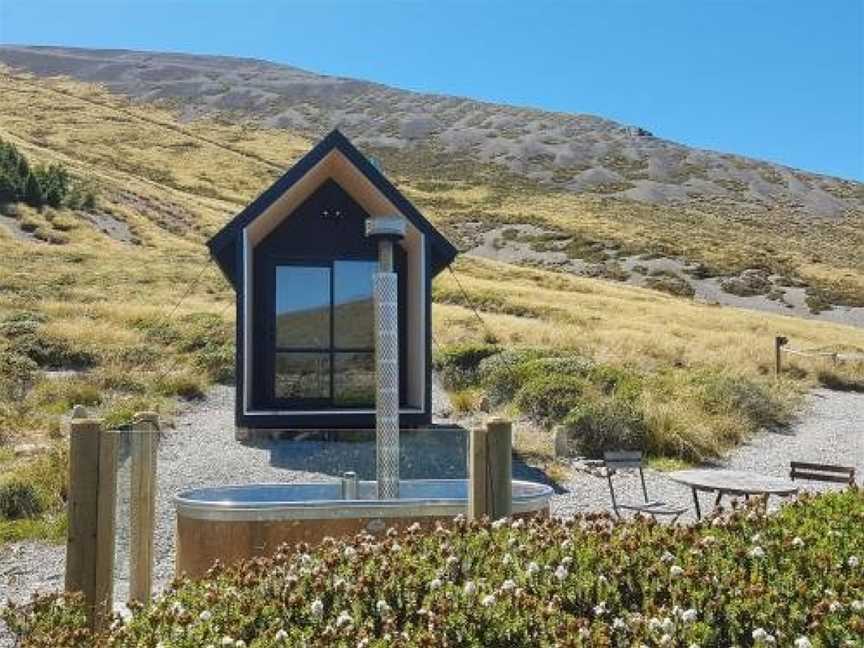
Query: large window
x=324, y=337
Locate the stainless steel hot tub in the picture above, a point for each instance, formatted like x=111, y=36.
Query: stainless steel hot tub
x=230, y=523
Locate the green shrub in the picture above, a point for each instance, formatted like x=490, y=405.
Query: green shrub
x=722, y=393
x=41, y=185
x=121, y=410
x=26, y=338
x=458, y=365
x=840, y=381
x=59, y=395
x=548, y=399
x=670, y=283
x=180, y=384
x=17, y=373
x=501, y=374
x=19, y=500
x=606, y=424
x=590, y=581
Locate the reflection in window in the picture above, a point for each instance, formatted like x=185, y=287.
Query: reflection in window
x=353, y=312
x=302, y=376
x=354, y=379
x=302, y=307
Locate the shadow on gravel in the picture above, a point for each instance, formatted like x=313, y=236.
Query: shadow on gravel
x=434, y=453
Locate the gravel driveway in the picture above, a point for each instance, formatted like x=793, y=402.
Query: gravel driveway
x=201, y=451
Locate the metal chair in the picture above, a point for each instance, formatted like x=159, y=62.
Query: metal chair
x=822, y=472
x=627, y=459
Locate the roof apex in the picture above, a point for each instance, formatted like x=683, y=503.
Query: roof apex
x=221, y=248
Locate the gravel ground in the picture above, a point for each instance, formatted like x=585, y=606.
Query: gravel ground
x=829, y=430
x=201, y=451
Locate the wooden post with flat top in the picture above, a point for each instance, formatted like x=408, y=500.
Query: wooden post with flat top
x=490, y=480
x=779, y=343
x=143, y=446
x=90, y=506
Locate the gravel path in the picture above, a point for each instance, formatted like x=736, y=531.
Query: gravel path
x=201, y=451
x=830, y=429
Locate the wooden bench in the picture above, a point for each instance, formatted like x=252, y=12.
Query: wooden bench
x=822, y=472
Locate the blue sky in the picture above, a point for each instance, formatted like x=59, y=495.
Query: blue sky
x=780, y=80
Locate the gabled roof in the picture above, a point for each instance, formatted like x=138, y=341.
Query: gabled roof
x=222, y=245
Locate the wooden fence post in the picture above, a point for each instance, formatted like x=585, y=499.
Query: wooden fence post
x=779, y=343
x=490, y=487
x=142, y=504
x=91, y=504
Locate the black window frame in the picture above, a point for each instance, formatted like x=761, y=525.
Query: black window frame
x=274, y=350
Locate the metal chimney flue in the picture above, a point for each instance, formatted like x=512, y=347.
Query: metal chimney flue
x=386, y=230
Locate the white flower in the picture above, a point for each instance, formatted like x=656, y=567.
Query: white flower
x=470, y=588
x=177, y=608
x=667, y=557
x=395, y=548
x=205, y=615
x=414, y=527
x=382, y=607
x=756, y=538
x=835, y=606
x=857, y=606
x=239, y=644
x=435, y=584
x=675, y=571
x=797, y=542
x=497, y=524
x=488, y=600
x=305, y=559
x=665, y=640
x=561, y=573
x=654, y=624
x=281, y=635
x=761, y=636
x=508, y=585
x=227, y=641
x=533, y=568
x=317, y=608
x=667, y=624
x=349, y=552
x=566, y=544
x=343, y=619
x=618, y=624
x=717, y=522
x=600, y=609
x=756, y=552
x=518, y=523
x=507, y=559
x=566, y=560
x=853, y=561
x=803, y=642
x=689, y=616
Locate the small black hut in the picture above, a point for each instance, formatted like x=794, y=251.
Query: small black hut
x=301, y=266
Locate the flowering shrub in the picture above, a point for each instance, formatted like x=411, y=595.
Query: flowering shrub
x=794, y=578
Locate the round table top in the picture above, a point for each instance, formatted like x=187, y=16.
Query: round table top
x=734, y=481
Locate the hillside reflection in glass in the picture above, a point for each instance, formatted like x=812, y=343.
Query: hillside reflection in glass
x=324, y=341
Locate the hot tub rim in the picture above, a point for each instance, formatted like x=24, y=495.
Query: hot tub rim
x=228, y=511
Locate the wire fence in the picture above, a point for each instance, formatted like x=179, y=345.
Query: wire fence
x=781, y=347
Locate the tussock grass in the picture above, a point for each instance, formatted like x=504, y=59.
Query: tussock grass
x=706, y=372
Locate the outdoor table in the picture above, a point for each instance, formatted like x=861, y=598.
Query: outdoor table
x=731, y=482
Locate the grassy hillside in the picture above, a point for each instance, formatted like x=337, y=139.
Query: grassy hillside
x=89, y=296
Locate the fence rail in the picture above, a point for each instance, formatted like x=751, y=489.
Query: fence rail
x=781, y=346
